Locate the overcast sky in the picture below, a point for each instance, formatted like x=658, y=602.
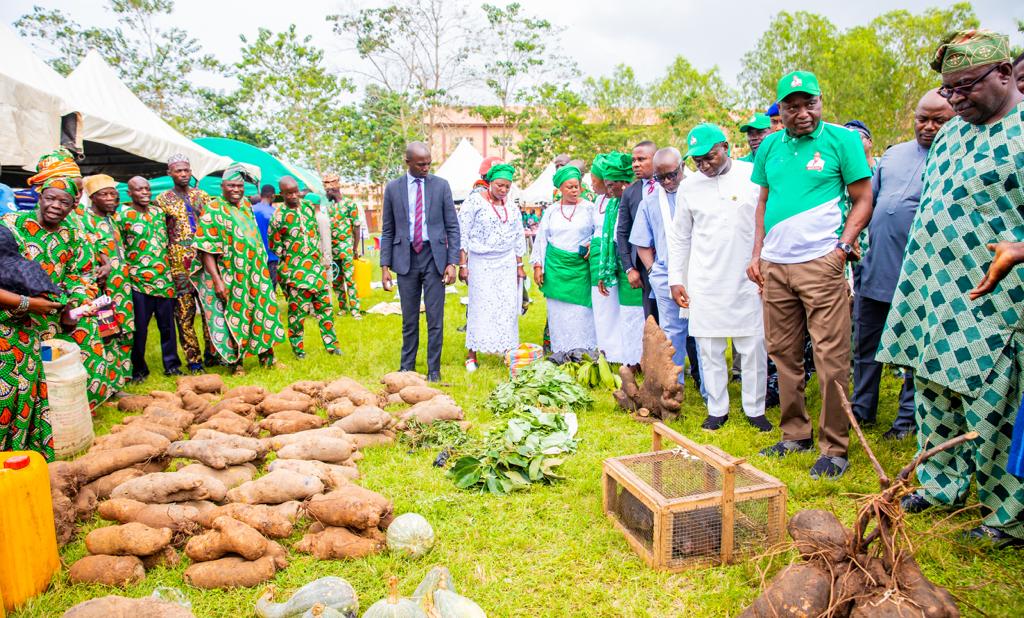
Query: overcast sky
x=599, y=34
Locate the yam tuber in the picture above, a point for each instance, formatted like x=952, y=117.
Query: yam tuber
x=194, y=403
x=166, y=431
x=168, y=415
x=798, y=591
x=206, y=383
x=85, y=503
x=290, y=421
x=321, y=448
x=283, y=440
x=211, y=452
x=230, y=536
x=334, y=543
x=164, y=487
x=277, y=487
x=437, y=409
x=92, y=466
x=275, y=403
x=350, y=506
x=370, y=440
x=417, y=394
x=249, y=394
x=332, y=475
x=818, y=533
x=132, y=539
x=176, y=517
x=231, y=572
x=134, y=403
x=63, y=490
x=109, y=570
x=276, y=522
x=166, y=557
x=129, y=437
x=260, y=445
x=101, y=487
x=168, y=396
x=113, y=606
x=395, y=381
x=366, y=419
x=228, y=422
x=232, y=476
x=340, y=408
x=312, y=388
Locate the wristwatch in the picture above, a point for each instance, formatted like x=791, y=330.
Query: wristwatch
x=846, y=247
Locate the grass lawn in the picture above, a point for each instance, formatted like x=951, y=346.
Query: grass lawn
x=550, y=551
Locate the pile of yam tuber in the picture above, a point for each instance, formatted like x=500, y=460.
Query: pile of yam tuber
x=659, y=396
x=187, y=472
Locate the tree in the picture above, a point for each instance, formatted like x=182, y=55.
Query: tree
x=156, y=64
x=687, y=97
x=292, y=95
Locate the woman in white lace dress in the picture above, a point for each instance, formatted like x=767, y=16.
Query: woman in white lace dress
x=491, y=262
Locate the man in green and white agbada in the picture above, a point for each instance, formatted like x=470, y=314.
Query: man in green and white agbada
x=809, y=173
x=966, y=349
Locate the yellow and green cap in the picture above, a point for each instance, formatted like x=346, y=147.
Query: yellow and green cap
x=970, y=48
x=759, y=122
x=797, y=81
x=702, y=138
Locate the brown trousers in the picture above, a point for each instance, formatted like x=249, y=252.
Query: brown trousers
x=812, y=295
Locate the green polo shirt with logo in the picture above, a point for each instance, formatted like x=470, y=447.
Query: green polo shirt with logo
x=806, y=178
x=749, y=157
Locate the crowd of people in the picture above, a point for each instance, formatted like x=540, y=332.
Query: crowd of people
x=806, y=255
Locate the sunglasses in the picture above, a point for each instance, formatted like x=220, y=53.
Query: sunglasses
x=667, y=176
x=947, y=92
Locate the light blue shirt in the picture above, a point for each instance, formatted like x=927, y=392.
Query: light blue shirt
x=649, y=231
x=411, y=180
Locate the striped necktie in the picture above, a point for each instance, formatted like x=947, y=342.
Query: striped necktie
x=417, y=233
x=650, y=186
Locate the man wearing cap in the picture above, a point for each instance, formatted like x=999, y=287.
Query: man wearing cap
x=112, y=366
x=801, y=247
x=755, y=129
x=263, y=210
x=650, y=237
x=644, y=186
x=965, y=348
x=181, y=205
x=345, y=229
x=896, y=190
x=709, y=249
x=295, y=237
x=144, y=232
x=234, y=285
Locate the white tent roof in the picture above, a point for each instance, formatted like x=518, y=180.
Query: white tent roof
x=540, y=190
x=114, y=116
x=33, y=97
x=461, y=169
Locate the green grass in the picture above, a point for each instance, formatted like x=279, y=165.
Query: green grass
x=550, y=551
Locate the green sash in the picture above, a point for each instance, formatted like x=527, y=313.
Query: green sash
x=629, y=297
x=595, y=258
x=566, y=277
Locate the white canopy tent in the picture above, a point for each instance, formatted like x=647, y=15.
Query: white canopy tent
x=33, y=97
x=540, y=190
x=461, y=169
x=113, y=116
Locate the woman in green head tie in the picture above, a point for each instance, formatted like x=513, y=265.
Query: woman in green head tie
x=560, y=265
x=491, y=262
x=618, y=314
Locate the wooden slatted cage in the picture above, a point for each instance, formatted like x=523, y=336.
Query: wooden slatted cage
x=692, y=504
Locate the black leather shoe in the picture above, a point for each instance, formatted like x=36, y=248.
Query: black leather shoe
x=434, y=376
x=714, y=423
x=897, y=434
x=915, y=503
x=996, y=537
x=173, y=372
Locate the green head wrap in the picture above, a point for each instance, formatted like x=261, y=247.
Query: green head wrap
x=500, y=170
x=970, y=48
x=566, y=172
x=237, y=171
x=618, y=166
x=597, y=167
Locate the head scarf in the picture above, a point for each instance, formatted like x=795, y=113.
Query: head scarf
x=56, y=170
x=597, y=167
x=237, y=171
x=177, y=158
x=20, y=275
x=618, y=166
x=98, y=182
x=564, y=173
x=500, y=170
x=970, y=48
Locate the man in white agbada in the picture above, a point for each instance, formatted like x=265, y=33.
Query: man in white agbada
x=710, y=242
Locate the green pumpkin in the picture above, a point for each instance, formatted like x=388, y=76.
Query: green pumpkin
x=321, y=611
x=331, y=592
x=394, y=606
x=411, y=534
x=432, y=582
x=448, y=604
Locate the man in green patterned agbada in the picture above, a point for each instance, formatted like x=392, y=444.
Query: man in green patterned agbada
x=234, y=285
x=966, y=349
x=345, y=232
x=294, y=238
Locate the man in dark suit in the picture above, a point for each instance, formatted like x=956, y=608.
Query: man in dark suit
x=420, y=241
x=643, y=167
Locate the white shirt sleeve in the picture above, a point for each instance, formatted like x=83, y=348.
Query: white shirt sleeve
x=540, y=241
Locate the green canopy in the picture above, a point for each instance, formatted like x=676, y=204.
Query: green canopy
x=271, y=169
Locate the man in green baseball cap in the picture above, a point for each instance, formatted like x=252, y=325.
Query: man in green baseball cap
x=756, y=128
x=804, y=236
x=961, y=334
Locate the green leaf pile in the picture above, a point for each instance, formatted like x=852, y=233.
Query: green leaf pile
x=526, y=448
x=541, y=384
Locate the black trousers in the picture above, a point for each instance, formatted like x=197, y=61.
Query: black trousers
x=422, y=281
x=146, y=307
x=868, y=321
x=649, y=303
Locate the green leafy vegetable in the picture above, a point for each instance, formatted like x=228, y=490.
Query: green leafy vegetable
x=439, y=434
x=543, y=384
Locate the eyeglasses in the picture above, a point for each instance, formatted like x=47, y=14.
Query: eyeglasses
x=947, y=92
x=670, y=176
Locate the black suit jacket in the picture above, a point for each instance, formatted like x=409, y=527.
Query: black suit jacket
x=628, y=205
x=442, y=224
